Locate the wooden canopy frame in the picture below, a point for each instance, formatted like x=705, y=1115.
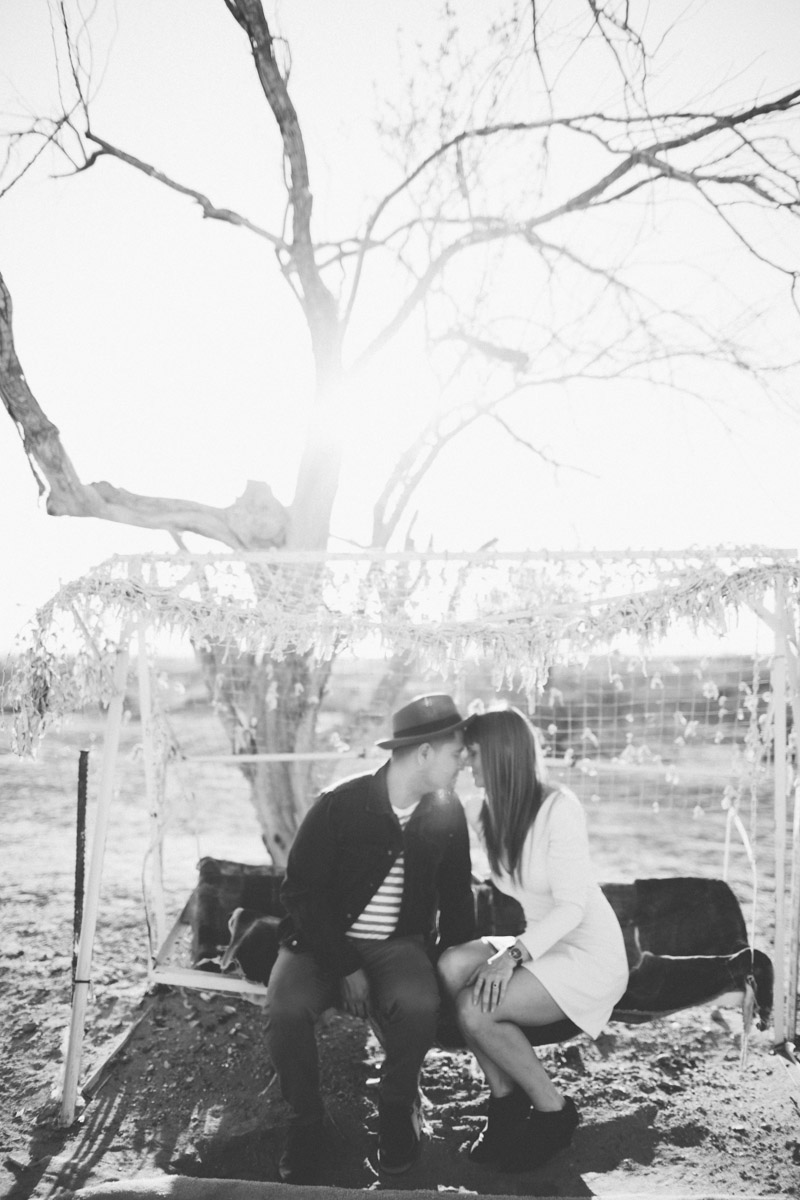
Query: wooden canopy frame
x=521, y=632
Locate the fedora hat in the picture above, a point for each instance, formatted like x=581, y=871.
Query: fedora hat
x=423, y=718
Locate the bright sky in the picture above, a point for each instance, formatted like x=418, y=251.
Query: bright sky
x=166, y=349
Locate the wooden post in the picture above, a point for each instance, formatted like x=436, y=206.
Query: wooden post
x=154, y=886
x=84, y=964
x=793, y=667
x=794, y=920
x=726, y=850
x=778, y=686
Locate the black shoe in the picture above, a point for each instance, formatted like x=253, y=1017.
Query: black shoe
x=398, y=1137
x=542, y=1136
x=300, y=1161
x=503, y=1126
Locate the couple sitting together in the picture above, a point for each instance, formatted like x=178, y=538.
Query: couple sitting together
x=381, y=923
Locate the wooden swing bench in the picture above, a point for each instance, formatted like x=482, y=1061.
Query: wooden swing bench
x=686, y=941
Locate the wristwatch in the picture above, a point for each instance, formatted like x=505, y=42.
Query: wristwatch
x=515, y=954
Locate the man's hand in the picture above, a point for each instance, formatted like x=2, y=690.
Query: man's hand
x=355, y=994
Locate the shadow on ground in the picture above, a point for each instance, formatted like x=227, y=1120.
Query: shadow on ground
x=193, y=1096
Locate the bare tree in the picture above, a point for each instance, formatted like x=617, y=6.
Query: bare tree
x=515, y=240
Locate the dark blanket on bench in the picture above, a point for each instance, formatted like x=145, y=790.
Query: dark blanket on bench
x=685, y=938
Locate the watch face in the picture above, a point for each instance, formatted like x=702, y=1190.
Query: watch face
x=515, y=953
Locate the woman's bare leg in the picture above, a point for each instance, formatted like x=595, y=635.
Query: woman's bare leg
x=457, y=967
x=504, y=1053
x=501, y=1049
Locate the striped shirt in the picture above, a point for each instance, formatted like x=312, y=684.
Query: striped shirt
x=379, y=918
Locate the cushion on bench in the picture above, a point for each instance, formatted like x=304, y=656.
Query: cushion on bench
x=685, y=938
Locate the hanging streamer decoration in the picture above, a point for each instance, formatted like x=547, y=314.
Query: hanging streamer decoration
x=520, y=612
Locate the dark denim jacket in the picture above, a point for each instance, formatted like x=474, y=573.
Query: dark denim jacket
x=343, y=851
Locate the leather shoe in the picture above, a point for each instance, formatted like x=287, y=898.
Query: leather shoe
x=300, y=1161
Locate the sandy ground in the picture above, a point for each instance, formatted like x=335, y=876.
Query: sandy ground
x=667, y=1109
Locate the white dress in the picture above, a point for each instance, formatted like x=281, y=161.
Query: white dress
x=571, y=931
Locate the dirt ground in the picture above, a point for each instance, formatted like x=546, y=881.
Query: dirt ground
x=667, y=1109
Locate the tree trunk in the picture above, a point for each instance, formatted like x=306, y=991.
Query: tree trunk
x=270, y=706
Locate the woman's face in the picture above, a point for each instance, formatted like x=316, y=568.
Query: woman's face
x=474, y=760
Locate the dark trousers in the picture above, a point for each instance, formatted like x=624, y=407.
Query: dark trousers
x=404, y=1003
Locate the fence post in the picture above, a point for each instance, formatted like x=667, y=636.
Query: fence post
x=154, y=890
x=80, y=857
x=790, y=632
x=794, y=930
x=83, y=968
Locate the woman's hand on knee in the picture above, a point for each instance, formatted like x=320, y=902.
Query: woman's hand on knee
x=490, y=983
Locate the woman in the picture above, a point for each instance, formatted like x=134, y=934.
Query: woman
x=569, y=962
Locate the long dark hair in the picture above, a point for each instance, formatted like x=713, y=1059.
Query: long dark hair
x=514, y=782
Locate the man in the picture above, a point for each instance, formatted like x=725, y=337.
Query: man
x=378, y=883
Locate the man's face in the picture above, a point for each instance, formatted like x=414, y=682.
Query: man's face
x=443, y=762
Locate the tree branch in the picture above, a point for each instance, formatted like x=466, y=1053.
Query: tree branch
x=255, y=520
x=489, y=349
x=648, y=156
x=319, y=304
x=418, y=458
x=48, y=139
x=410, y=468
x=435, y=267
x=210, y=211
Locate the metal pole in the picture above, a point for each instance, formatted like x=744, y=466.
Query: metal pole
x=80, y=857
x=84, y=965
x=287, y=756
